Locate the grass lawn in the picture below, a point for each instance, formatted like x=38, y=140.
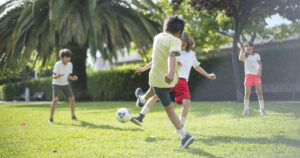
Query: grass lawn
x=218, y=128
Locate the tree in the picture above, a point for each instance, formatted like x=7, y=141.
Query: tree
x=49, y=25
x=247, y=14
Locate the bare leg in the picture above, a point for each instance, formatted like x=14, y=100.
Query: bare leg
x=150, y=93
x=72, y=105
x=246, y=100
x=173, y=117
x=53, y=106
x=247, y=92
x=259, y=92
x=185, y=107
x=151, y=101
x=260, y=99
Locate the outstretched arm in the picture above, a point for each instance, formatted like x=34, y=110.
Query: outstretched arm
x=142, y=69
x=211, y=76
x=242, y=53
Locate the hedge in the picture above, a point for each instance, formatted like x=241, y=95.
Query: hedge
x=280, y=65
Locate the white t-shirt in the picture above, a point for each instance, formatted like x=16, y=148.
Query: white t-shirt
x=251, y=64
x=60, y=68
x=188, y=59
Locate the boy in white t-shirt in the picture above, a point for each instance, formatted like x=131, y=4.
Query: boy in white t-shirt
x=253, y=72
x=188, y=60
x=61, y=74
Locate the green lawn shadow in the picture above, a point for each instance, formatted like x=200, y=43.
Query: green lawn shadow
x=85, y=124
x=247, y=140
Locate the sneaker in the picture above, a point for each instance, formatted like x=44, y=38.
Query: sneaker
x=186, y=141
x=50, y=121
x=74, y=118
x=262, y=112
x=140, y=102
x=138, y=120
x=245, y=112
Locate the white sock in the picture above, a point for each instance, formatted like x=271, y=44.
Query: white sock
x=182, y=120
x=144, y=110
x=246, y=104
x=261, y=104
x=143, y=100
x=182, y=132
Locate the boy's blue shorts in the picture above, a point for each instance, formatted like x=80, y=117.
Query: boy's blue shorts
x=163, y=95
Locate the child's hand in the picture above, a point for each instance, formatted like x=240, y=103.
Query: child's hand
x=259, y=74
x=179, y=64
x=60, y=75
x=74, y=78
x=240, y=46
x=212, y=76
x=139, y=69
x=169, y=77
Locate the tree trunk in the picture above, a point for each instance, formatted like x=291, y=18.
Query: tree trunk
x=78, y=60
x=235, y=64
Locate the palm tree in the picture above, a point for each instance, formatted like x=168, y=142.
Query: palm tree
x=49, y=25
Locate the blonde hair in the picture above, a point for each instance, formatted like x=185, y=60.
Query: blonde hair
x=188, y=40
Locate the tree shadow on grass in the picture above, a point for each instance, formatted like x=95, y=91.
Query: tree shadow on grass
x=85, y=124
x=247, y=140
x=197, y=152
x=152, y=139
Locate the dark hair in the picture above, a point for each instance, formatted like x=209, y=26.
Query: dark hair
x=65, y=53
x=174, y=24
x=251, y=45
x=188, y=40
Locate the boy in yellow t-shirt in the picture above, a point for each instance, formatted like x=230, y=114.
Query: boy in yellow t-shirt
x=164, y=72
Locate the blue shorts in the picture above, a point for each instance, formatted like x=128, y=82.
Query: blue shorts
x=163, y=95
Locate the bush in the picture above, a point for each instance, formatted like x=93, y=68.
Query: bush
x=118, y=84
x=12, y=90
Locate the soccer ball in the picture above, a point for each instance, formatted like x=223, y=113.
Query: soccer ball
x=123, y=115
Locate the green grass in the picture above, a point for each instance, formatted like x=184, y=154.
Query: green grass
x=218, y=127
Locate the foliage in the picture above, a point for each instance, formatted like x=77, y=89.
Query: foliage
x=12, y=91
x=46, y=26
x=218, y=128
x=116, y=84
x=204, y=28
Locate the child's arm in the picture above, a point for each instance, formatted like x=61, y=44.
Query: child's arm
x=171, y=66
x=242, y=53
x=73, y=78
x=55, y=75
x=142, y=69
x=260, y=68
x=211, y=76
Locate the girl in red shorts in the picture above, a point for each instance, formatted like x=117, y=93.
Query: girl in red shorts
x=253, y=68
x=187, y=60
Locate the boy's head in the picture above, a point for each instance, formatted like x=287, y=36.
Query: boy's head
x=65, y=53
x=187, y=42
x=173, y=25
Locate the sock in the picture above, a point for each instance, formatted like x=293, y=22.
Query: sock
x=182, y=120
x=261, y=104
x=246, y=104
x=143, y=100
x=182, y=132
x=141, y=116
x=144, y=110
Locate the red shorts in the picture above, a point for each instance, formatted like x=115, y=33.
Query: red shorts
x=252, y=80
x=181, y=90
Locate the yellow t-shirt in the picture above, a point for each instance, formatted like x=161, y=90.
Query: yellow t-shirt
x=163, y=44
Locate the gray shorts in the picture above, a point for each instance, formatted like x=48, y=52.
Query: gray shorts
x=163, y=95
x=66, y=89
